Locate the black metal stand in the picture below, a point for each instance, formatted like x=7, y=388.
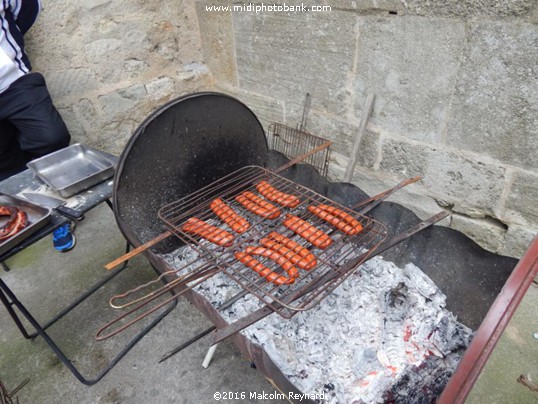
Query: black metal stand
x=9, y=300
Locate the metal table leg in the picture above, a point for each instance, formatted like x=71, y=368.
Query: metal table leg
x=5, y=266
x=73, y=304
x=9, y=300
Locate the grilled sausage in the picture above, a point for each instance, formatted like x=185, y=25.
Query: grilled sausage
x=228, y=216
x=296, y=248
x=340, y=224
x=304, y=229
x=211, y=233
x=18, y=220
x=340, y=214
x=274, y=195
x=257, y=205
x=295, y=255
x=8, y=211
x=275, y=256
x=262, y=270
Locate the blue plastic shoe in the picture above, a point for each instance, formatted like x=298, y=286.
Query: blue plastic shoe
x=63, y=237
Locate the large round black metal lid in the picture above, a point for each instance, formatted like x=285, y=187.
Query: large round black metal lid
x=183, y=146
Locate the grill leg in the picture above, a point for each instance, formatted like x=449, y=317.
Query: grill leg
x=67, y=309
x=209, y=355
x=6, y=292
x=8, y=298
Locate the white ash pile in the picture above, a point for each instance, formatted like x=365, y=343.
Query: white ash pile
x=383, y=335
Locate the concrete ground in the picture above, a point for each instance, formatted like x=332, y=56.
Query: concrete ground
x=46, y=280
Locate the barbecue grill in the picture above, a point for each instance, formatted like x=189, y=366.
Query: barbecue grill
x=209, y=145
x=330, y=261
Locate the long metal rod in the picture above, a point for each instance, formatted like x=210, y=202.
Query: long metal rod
x=259, y=314
x=366, y=112
x=303, y=157
x=186, y=344
x=130, y=254
x=377, y=199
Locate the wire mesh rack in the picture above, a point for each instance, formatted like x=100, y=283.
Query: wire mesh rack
x=293, y=142
x=311, y=285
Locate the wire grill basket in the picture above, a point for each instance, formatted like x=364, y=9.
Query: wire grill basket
x=295, y=142
x=311, y=286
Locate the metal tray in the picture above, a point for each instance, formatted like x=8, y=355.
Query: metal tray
x=73, y=169
x=38, y=217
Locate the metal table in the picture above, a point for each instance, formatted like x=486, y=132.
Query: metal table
x=26, y=181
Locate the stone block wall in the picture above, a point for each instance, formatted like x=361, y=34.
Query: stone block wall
x=456, y=85
x=109, y=64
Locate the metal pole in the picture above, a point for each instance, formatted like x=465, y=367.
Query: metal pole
x=368, y=107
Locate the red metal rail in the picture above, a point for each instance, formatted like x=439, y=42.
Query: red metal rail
x=489, y=332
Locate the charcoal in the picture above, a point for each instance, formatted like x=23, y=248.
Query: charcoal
x=384, y=335
x=420, y=384
x=450, y=336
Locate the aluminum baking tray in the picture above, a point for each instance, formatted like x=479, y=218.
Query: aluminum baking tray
x=38, y=217
x=73, y=169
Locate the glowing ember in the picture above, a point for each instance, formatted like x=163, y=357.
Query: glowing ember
x=384, y=334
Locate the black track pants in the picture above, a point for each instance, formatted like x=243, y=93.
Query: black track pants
x=30, y=125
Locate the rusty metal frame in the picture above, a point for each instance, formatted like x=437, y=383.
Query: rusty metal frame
x=198, y=276
x=333, y=260
x=292, y=142
x=491, y=329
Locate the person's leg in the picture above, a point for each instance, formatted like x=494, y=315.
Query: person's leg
x=28, y=106
x=12, y=159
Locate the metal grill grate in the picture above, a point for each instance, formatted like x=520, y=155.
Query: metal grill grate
x=311, y=286
x=294, y=142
